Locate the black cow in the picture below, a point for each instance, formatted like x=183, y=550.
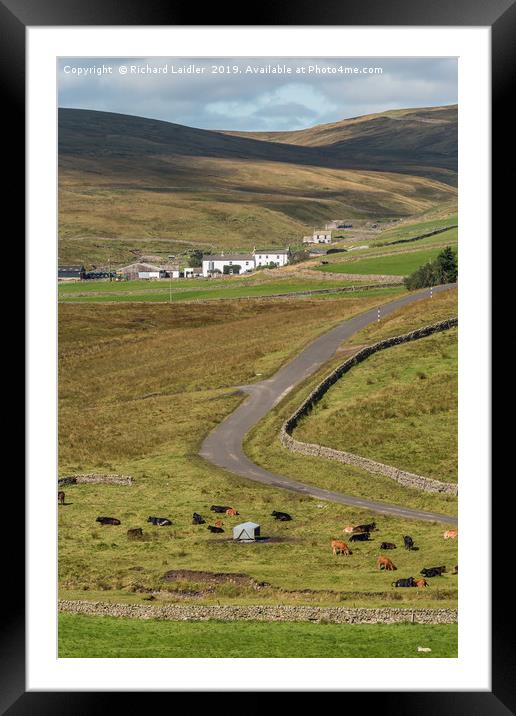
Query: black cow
x=108, y=521
x=387, y=545
x=219, y=508
x=215, y=529
x=160, y=521
x=432, y=571
x=409, y=542
x=61, y=497
x=282, y=516
x=360, y=537
x=197, y=519
x=408, y=582
x=366, y=528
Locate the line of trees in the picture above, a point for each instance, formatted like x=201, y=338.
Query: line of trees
x=443, y=269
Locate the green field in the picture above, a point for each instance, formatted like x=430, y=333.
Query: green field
x=263, y=445
x=138, y=391
x=187, y=289
x=398, y=407
x=108, y=637
x=408, y=230
x=400, y=263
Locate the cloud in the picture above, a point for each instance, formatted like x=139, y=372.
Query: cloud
x=233, y=98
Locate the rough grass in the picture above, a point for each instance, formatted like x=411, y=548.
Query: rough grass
x=398, y=407
x=139, y=388
x=109, y=637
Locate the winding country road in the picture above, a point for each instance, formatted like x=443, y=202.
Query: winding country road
x=223, y=445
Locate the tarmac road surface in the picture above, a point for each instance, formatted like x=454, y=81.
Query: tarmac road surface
x=223, y=445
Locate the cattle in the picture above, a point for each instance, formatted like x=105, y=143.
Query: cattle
x=421, y=583
x=433, y=571
x=366, y=528
x=217, y=530
x=222, y=509
x=108, y=521
x=218, y=523
x=61, y=497
x=387, y=545
x=135, y=533
x=450, y=534
x=231, y=512
x=197, y=519
x=408, y=541
x=456, y=569
x=282, y=516
x=408, y=582
x=160, y=521
x=340, y=547
x=360, y=537
x=385, y=563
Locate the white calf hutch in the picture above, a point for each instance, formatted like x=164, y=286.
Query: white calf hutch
x=246, y=532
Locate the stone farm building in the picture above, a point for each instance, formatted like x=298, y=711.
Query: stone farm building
x=146, y=271
x=70, y=273
x=318, y=237
x=241, y=263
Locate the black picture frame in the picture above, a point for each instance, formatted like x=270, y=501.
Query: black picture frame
x=500, y=15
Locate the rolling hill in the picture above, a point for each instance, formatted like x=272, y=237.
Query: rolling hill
x=130, y=185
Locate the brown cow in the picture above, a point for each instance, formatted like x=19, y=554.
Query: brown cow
x=340, y=547
x=135, y=533
x=218, y=523
x=385, y=563
x=231, y=512
x=422, y=583
x=450, y=534
x=61, y=497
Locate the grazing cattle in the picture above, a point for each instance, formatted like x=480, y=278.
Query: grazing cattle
x=387, y=545
x=360, y=537
x=231, y=512
x=456, y=570
x=160, y=521
x=409, y=542
x=108, y=521
x=218, y=523
x=197, y=519
x=366, y=528
x=220, y=508
x=422, y=583
x=408, y=582
x=282, y=516
x=433, y=571
x=340, y=547
x=135, y=533
x=450, y=534
x=385, y=563
x=212, y=528
x=61, y=497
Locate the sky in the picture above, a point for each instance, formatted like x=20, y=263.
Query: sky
x=247, y=94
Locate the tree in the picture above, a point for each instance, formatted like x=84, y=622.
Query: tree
x=443, y=269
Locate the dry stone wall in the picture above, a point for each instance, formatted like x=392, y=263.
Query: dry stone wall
x=267, y=613
x=92, y=478
x=407, y=479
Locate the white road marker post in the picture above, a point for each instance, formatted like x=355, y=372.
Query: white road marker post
x=431, y=292
x=378, y=315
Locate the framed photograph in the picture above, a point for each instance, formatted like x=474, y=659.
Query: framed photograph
x=256, y=385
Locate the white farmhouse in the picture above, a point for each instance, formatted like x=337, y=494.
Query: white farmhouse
x=264, y=257
x=318, y=237
x=235, y=263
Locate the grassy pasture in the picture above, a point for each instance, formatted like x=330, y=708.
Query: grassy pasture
x=139, y=390
x=263, y=446
x=407, y=230
x=188, y=289
x=108, y=637
x=398, y=263
x=398, y=407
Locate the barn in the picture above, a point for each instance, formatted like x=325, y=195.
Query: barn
x=246, y=532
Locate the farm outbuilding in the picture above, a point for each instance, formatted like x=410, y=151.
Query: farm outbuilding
x=246, y=532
